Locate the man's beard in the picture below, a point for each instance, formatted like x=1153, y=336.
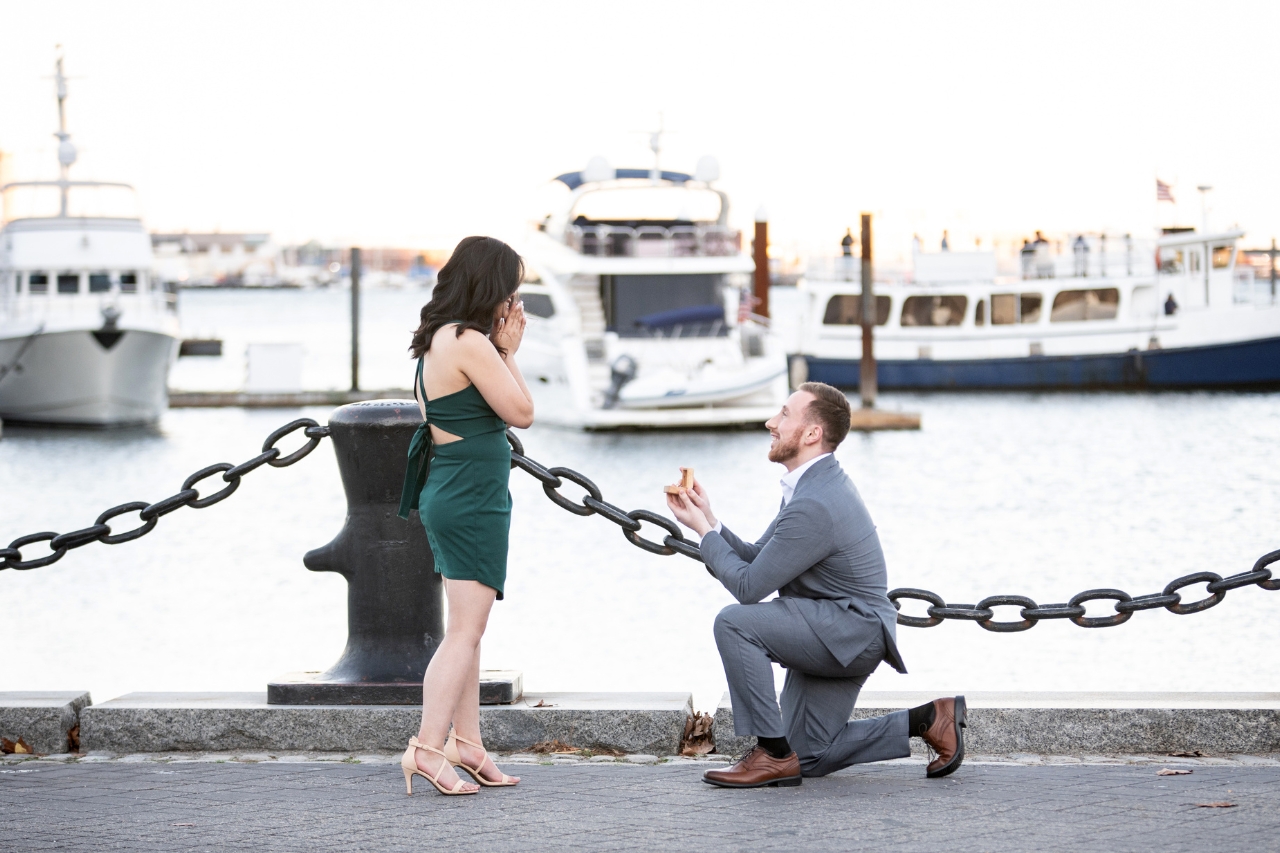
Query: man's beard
x=784, y=451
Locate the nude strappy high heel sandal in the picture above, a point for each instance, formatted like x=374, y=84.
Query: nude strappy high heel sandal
x=454, y=758
x=410, y=766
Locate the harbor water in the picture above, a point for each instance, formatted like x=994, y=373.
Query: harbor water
x=1042, y=495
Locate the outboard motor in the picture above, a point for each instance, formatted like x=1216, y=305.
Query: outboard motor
x=622, y=371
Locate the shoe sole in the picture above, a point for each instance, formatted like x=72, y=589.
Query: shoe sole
x=785, y=782
x=954, y=764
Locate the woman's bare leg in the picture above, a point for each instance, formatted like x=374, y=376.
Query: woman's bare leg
x=453, y=667
x=466, y=723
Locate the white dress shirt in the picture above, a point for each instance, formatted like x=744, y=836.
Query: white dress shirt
x=791, y=478
x=788, y=482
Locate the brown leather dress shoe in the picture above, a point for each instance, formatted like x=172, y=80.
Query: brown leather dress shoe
x=945, y=736
x=757, y=769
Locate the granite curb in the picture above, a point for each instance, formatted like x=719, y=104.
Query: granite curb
x=631, y=723
x=45, y=720
x=1085, y=723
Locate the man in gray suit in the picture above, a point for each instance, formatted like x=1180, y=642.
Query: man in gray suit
x=830, y=626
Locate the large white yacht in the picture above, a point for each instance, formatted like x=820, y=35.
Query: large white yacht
x=1104, y=311
x=87, y=332
x=637, y=317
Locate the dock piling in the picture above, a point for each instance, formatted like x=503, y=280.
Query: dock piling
x=355, y=319
x=760, y=253
x=867, y=366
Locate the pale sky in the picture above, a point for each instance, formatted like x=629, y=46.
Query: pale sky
x=418, y=123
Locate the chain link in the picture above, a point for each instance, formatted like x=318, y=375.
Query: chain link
x=631, y=523
x=938, y=610
x=151, y=513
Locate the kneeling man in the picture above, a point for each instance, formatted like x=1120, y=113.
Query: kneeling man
x=830, y=626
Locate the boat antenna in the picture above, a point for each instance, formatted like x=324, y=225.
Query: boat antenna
x=655, y=145
x=66, y=151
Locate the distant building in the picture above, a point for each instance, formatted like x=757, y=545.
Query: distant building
x=217, y=259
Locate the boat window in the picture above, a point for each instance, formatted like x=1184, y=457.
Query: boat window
x=1073, y=305
x=675, y=305
x=538, y=304
x=17, y=282
x=1010, y=308
x=1222, y=257
x=980, y=313
x=934, y=310
x=38, y=282
x=128, y=282
x=845, y=309
x=1030, y=304
x=68, y=282
x=1170, y=262
x=1193, y=260
x=99, y=282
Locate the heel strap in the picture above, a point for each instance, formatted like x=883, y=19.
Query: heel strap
x=459, y=737
x=413, y=741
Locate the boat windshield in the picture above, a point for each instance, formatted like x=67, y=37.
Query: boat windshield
x=90, y=200
x=647, y=203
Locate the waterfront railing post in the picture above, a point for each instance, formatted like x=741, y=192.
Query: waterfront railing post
x=395, y=613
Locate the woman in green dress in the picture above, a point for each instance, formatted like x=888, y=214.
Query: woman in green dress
x=469, y=389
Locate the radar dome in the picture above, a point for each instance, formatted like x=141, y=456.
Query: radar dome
x=66, y=152
x=708, y=170
x=598, y=169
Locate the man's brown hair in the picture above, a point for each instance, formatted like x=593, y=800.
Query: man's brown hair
x=830, y=411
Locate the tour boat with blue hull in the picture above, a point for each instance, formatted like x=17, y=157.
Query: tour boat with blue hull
x=87, y=331
x=1182, y=312
x=634, y=294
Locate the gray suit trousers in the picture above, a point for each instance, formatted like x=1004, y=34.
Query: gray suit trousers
x=818, y=696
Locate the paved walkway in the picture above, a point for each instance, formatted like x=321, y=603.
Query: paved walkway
x=312, y=806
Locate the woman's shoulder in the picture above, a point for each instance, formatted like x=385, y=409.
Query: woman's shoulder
x=470, y=342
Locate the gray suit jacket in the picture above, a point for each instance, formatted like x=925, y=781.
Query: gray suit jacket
x=823, y=558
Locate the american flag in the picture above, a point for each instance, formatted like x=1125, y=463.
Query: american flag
x=746, y=301
x=1163, y=191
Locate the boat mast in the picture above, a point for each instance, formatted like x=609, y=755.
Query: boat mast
x=66, y=151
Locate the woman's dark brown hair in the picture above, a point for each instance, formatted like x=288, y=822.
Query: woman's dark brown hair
x=481, y=274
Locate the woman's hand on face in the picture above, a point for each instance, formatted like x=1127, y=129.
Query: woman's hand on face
x=509, y=332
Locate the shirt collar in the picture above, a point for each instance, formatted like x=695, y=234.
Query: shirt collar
x=792, y=478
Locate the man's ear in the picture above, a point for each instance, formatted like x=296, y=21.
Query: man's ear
x=813, y=435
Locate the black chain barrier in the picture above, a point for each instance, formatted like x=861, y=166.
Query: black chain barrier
x=150, y=513
x=673, y=542
x=593, y=503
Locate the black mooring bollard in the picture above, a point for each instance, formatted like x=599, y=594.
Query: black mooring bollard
x=395, y=617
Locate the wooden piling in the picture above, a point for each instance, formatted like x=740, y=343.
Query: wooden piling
x=760, y=253
x=867, y=365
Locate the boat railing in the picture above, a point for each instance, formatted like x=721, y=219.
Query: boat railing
x=844, y=268
x=1092, y=257
x=654, y=241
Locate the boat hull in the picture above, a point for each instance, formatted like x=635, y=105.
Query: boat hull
x=1240, y=365
x=68, y=377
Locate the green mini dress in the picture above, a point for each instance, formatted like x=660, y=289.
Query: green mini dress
x=460, y=489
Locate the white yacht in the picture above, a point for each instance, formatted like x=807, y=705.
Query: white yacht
x=87, y=332
x=1180, y=311
x=639, y=314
